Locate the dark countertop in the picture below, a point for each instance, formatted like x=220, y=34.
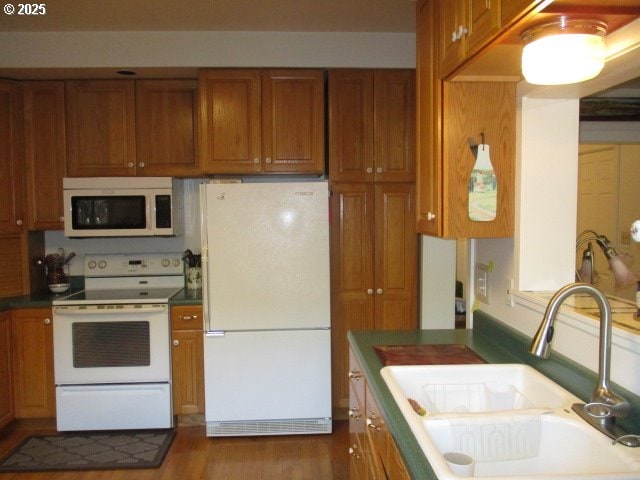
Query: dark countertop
x=490, y=339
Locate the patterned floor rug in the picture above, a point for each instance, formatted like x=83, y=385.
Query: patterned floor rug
x=90, y=451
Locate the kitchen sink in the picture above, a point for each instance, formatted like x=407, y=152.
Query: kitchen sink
x=510, y=419
x=475, y=388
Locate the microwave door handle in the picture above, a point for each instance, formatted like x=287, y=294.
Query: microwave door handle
x=151, y=213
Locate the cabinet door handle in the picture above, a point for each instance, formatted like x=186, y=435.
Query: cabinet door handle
x=141, y=164
x=356, y=375
x=370, y=291
x=256, y=161
x=61, y=219
x=372, y=425
x=369, y=170
x=176, y=343
x=379, y=291
x=267, y=160
x=431, y=216
x=19, y=222
x=462, y=31
x=188, y=317
x=130, y=164
x=379, y=170
x=47, y=321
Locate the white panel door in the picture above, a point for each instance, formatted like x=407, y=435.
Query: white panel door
x=268, y=256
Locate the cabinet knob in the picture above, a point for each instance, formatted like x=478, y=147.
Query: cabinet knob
x=47, y=321
x=356, y=375
x=353, y=413
x=176, y=343
x=141, y=164
x=267, y=160
x=379, y=170
x=188, y=317
x=130, y=164
x=256, y=161
x=431, y=216
x=370, y=291
x=61, y=219
x=19, y=222
x=353, y=453
x=369, y=170
x=372, y=425
x=379, y=291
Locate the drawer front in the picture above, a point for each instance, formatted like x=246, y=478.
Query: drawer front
x=186, y=317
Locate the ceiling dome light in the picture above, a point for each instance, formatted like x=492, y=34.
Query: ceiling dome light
x=563, y=51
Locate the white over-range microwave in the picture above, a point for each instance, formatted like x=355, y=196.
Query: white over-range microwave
x=123, y=206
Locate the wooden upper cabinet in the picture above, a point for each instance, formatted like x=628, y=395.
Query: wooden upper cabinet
x=293, y=121
x=261, y=121
x=45, y=153
x=100, y=121
x=471, y=108
x=511, y=10
x=394, y=125
x=465, y=26
x=372, y=125
x=11, y=159
x=428, y=138
x=351, y=125
x=230, y=137
x=166, y=128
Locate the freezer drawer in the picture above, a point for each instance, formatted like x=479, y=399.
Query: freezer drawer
x=268, y=382
x=114, y=407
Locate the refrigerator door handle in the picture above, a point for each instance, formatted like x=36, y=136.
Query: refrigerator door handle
x=204, y=256
x=214, y=333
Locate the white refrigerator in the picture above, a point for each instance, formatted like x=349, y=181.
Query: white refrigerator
x=266, y=301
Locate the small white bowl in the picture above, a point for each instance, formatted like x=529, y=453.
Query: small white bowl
x=59, y=287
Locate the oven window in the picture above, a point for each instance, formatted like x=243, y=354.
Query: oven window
x=111, y=344
x=109, y=212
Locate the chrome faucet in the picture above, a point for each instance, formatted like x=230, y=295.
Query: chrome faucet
x=604, y=405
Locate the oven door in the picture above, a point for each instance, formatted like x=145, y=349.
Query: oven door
x=98, y=344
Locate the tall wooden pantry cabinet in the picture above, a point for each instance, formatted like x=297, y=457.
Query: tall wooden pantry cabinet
x=373, y=238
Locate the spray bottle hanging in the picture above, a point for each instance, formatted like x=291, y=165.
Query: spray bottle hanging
x=483, y=185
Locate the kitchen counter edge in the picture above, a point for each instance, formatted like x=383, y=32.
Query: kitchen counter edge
x=492, y=340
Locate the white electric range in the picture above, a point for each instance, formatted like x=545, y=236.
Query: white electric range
x=111, y=342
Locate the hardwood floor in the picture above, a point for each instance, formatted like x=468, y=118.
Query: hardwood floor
x=195, y=456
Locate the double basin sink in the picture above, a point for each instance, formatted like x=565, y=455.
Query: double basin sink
x=502, y=422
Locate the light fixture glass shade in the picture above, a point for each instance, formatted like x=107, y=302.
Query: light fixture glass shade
x=565, y=51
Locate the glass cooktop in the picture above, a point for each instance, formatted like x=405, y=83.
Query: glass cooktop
x=119, y=296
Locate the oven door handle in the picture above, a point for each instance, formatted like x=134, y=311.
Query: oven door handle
x=108, y=309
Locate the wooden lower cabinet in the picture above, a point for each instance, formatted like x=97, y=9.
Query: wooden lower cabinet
x=32, y=356
x=187, y=360
x=6, y=384
x=373, y=451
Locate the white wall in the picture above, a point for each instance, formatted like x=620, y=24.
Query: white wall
x=206, y=49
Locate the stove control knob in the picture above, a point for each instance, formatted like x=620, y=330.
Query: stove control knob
x=165, y=262
x=176, y=262
x=92, y=264
x=102, y=264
